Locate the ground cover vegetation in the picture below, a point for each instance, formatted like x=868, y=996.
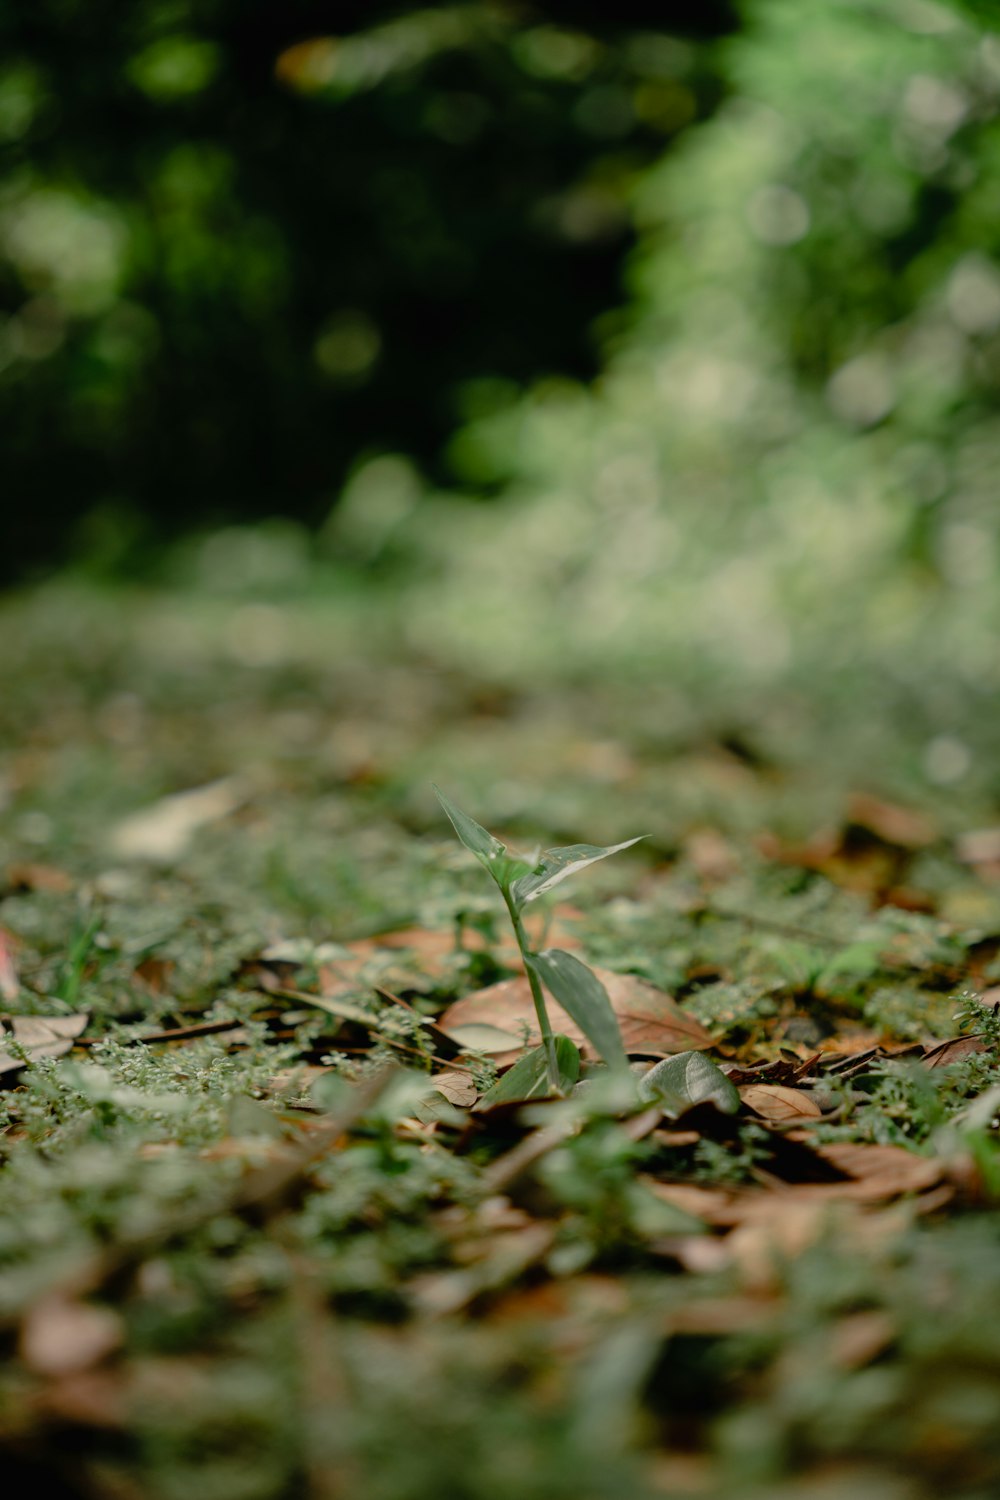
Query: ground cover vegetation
x=272, y=1224
x=322, y=1177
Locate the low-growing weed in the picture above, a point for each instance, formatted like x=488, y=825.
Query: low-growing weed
x=571, y=984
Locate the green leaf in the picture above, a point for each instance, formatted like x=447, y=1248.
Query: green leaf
x=529, y=1077
x=583, y=997
x=558, y=864
x=488, y=850
x=687, y=1079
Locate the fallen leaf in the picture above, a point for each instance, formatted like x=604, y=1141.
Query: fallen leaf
x=162, y=833
x=712, y=855
x=774, y=1101
x=899, y=826
x=478, y=1037
x=955, y=1049
x=40, y=1036
x=718, y=1316
x=879, y=1171
x=981, y=846
x=650, y=1021
x=430, y=951
x=775, y=1228
x=717, y=1206
x=442, y=1293
x=61, y=1336
x=10, y=985
x=457, y=1088
x=155, y=974
x=861, y=1337
x=94, y=1398
x=33, y=875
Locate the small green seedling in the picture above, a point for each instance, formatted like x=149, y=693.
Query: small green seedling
x=575, y=987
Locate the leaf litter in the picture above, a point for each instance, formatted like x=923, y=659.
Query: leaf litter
x=444, y=1196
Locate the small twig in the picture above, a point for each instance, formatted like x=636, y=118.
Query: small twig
x=177, y=1034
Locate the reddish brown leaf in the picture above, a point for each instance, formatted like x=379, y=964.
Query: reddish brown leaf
x=32, y=875
x=651, y=1022
x=899, y=826
x=155, y=974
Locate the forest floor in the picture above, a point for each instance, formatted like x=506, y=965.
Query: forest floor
x=265, y=1234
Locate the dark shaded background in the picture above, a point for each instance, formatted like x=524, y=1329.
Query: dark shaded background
x=249, y=243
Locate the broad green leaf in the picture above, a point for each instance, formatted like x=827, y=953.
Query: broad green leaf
x=529, y=1077
x=584, y=998
x=686, y=1079
x=559, y=864
x=488, y=850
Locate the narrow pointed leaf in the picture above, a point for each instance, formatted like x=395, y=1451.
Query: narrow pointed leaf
x=687, y=1079
x=584, y=998
x=529, y=1077
x=558, y=864
x=488, y=850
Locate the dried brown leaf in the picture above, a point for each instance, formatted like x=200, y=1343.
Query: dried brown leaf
x=429, y=950
x=980, y=846
x=955, y=1049
x=898, y=826
x=879, y=1171
x=458, y=1088
x=40, y=1036
x=33, y=875
x=10, y=985
x=774, y=1101
x=650, y=1021
x=61, y=1336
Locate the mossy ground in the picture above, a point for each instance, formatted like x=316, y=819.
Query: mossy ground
x=407, y=1314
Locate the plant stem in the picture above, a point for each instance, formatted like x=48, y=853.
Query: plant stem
x=544, y=1024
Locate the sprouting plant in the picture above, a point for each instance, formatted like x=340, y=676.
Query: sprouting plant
x=571, y=984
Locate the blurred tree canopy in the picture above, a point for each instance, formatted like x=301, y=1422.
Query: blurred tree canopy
x=241, y=243
x=782, y=487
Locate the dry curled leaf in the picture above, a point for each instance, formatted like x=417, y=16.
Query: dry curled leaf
x=40, y=1036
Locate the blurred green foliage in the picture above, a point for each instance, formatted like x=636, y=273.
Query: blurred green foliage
x=241, y=243
x=780, y=495
x=245, y=257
